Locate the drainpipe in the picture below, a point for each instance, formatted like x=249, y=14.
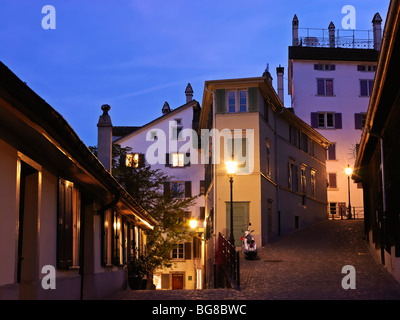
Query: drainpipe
x=277, y=172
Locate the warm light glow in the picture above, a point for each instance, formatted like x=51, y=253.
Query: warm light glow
x=348, y=171
x=231, y=167
x=193, y=223
x=178, y=160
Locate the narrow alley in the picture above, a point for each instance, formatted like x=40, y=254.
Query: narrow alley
x=305, y=265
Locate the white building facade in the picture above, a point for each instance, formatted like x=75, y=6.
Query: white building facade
x=168, y=144
x=330, y=82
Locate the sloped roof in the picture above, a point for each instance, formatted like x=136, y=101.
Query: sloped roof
x=62, y=147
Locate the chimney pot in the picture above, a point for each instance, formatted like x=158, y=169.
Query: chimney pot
x=104, y=138
x=376, y=23
x=295, y=31
x=189, y=93
x=279, y=74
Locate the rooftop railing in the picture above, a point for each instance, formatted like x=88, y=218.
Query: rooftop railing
x=340, y=38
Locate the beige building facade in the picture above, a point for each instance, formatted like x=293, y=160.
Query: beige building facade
x=67, y=227
x=280, y=182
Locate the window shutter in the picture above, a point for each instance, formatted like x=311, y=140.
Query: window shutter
x=220, y=101
x=332, y=67
x=64, y=227
x=188, y=250
x=316, y=66
x=167, y=188
x=122, y=161
x=165, y=281
x=187, y=159
x=338, y=120
x=359, y=67
x=358, y=120
x=188, y=189
x=253, y=99
x=314, y=119
x=332, y=180
x=141, y=160
x=167, y=160
x=202, y=216
x=363, y=88
x=320, y=87
x=332, y=152
x=370, y=87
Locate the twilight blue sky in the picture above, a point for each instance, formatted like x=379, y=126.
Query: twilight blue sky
x=137, y=54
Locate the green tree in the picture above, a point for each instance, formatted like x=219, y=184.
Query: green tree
x=169, y=209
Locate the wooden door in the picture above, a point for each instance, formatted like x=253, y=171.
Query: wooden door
x=177, y=281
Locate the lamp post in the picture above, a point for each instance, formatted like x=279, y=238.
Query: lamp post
x=349, y=172
x=231, y=169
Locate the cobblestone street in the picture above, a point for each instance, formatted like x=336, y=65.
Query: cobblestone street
x=304, y=265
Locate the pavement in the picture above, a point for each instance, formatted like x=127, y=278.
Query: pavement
x=305, y=265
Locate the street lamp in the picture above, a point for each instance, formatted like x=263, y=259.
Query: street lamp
x=231, y=169
x=349, y=172
x=193, y=223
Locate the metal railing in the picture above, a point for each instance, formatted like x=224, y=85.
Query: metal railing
x=228, y=258
x=356, y=39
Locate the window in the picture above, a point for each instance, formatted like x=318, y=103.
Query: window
x=293, y=177
x=266, y=114
x=178, y=189
x=313, y=183
x=332, y=207
x=176, y=129
x=268, y=157
x=202, y=187
x=178, y=160
x=303, y=179
x=237, y=149
x=68, y=226
x=304, y=142
x=294, y=135
x=366, y=68
x=366, y=87
x=231, y=101
x=324, y=67
x=359, y=120
x=132, y=160
x=326, y=120
x=177, y=252
x=332, y=180
x=331, y=152
x=182, y=251
x=237, y=101
x=325, y=87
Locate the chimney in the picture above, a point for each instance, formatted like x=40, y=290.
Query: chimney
x=267, y=75
x=166, y=109
x=331, y=35
x=104, y=138
x=279, y=74
x=189, y=93
x=376, y=23
x=295, y=31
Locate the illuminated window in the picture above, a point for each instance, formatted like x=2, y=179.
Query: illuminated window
x=132, y=160
x=178, y=160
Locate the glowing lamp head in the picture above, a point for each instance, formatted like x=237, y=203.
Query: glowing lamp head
x=348, y=171
x=193, y=223
x=231, y=167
